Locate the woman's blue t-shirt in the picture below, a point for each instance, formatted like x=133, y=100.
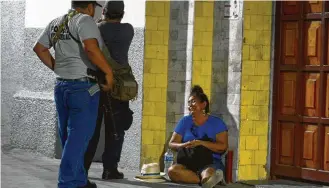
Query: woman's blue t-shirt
x=189, y=131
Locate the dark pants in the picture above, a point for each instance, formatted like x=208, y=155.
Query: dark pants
x=77, y=112
x=123, y=118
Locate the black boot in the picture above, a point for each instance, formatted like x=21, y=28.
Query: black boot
x=90, y=185
x=112, y=174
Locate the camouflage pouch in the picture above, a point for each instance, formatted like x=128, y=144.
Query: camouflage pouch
x=125, y=86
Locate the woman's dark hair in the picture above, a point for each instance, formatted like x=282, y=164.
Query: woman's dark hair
x=197, y=92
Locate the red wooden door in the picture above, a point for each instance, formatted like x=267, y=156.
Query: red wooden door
x=300, y=134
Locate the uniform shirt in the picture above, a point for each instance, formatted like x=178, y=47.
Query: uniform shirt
x=117, y=37
x=71, y=61
x=189, y=131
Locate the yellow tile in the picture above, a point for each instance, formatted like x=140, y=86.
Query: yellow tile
x=245, y=52
x=268, y=23
x=244, y=82
x=148, y=37
x=162, y=125
x=208, y=9
x=207, y=38
x=148, y=8
x=248, y=172
x=202, y=53
x=153, y=95
x=242, y=141
x=253, y=112
x=152, y=151
x=255, y=82
x=260, y=157
x=155, y=8
x=162, y=52
x=197, y=38
x=260, y=40
x=248, y=67
x=251, y=142
x=265, y=83
x=167, y=8
x=263, y=142
x=159, y=137
x=246, y=22
x=156, y=122
x=206, y=80
x=163, y=24
x=205, y=70
x=147, y=137
x=266, y=52
x=262, y=98
x=250, y=37
x=200, y=24
x=149, y=80
x=256, y=22
x=161, y=80
x=263, y=113
x=256, y=52
x=157, y=37
x=247, y=127
x=145, y=122
x=165, y=38
x=163, y=94
x=148, y=107
x=266, y=36
x=150, y=51
x=245, y=157
x=265, y=8
x=244, y=112
x=209, y=23
x=262, y=68
x=151, y=23
x=160, y=109
x=261, y=128
x=247, y=97
x=156, y=66
x=198, y=9
x=250, y=8
x=262, y=172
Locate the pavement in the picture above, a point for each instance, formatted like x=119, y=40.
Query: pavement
x=22, y=168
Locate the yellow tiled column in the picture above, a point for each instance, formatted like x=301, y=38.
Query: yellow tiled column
x=255, y=90
x=155, y=80
x=202, y=45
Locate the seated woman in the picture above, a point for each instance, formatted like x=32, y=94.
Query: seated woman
x=188, y=134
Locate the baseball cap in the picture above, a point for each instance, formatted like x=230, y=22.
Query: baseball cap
x=114, y=7
x=86, y=2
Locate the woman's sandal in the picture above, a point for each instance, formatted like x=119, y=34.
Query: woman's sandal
x=213, y=180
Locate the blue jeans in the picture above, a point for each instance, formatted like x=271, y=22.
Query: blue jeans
x=77, y=113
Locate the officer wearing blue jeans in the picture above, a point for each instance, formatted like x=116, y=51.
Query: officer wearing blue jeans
x=76, y=93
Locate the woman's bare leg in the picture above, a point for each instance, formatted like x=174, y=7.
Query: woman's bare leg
x=180, y=174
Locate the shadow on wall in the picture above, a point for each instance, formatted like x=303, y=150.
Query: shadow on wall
x=226, y=74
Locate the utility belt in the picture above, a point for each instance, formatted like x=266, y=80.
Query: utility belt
x=84, y=79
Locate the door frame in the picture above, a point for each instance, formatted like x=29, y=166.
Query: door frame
x=277, y=171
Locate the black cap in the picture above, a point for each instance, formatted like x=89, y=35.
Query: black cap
x=86, y=2
x=114, y=7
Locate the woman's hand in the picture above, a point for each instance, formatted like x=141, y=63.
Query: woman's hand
x=194, y=143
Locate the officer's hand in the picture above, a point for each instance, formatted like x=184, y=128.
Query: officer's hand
x=108, y=86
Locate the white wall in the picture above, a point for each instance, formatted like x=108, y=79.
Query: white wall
x=40, y=12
